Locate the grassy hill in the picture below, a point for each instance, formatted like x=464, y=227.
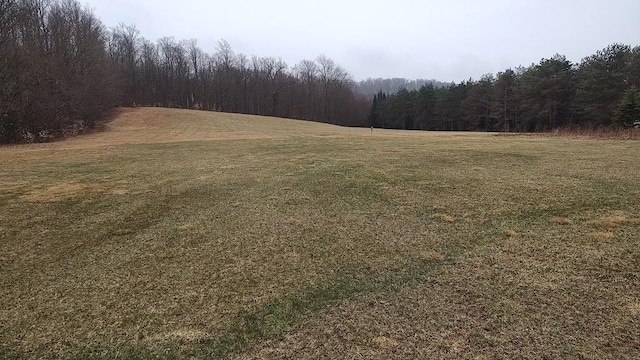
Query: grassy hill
x=189, y=234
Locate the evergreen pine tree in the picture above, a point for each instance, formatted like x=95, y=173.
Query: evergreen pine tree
x=628, y=112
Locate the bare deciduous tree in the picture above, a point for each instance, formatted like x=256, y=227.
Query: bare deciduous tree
x=60, y=69
x=56, y=73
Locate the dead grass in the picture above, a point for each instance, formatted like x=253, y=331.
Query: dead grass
x=178, y=234
x=183, y=336
x=57, y=192
x=585, y=133
x=165, y=126
x=561, y=221
x=598, y=133
x=509, y=233
x=384, y=342
x=443, y=217
x=634, y=308
x=612, y=221
x=600, y=236
x=188, y=227
x=489, y=305
x=431, y=256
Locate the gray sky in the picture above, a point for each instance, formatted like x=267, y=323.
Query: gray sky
x=446, y=40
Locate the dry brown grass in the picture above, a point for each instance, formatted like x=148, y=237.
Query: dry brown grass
x=598, y=133
x=184, y=335
x=188, y=227
x=384, y=342
x=600, y=235
x=208, y=235
x=57, y=192
x=561, y=220
x=634, y=308
x=431, y=256
x=489, y=306
x=583, y=133
x=443, y=217
x=509, y=233
x=612, y=221
x=161, y=126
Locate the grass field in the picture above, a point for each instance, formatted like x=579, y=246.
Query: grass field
x=183, y=234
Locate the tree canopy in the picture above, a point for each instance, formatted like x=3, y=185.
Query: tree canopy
x=62, y=71
x=550, y=94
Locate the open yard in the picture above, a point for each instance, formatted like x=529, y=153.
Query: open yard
x=189, y=234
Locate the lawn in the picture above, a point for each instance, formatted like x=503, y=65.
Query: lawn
x=186, y=234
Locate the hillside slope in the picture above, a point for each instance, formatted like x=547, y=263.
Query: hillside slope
x=155, y=125
x=187, y=234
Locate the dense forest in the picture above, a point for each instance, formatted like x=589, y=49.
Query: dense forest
x=601, y=91
x=174, y=73
x=62, y=72
x=55, y=74
x=391, y=86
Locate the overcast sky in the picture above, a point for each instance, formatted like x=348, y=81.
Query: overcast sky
x=446, y=40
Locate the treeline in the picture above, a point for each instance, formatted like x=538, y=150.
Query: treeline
x=373, y=86
x=62, y=71
x=55, y=73
x=174, y=73
x=598, y=92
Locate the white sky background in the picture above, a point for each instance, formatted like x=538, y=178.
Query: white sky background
x=446, y=40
